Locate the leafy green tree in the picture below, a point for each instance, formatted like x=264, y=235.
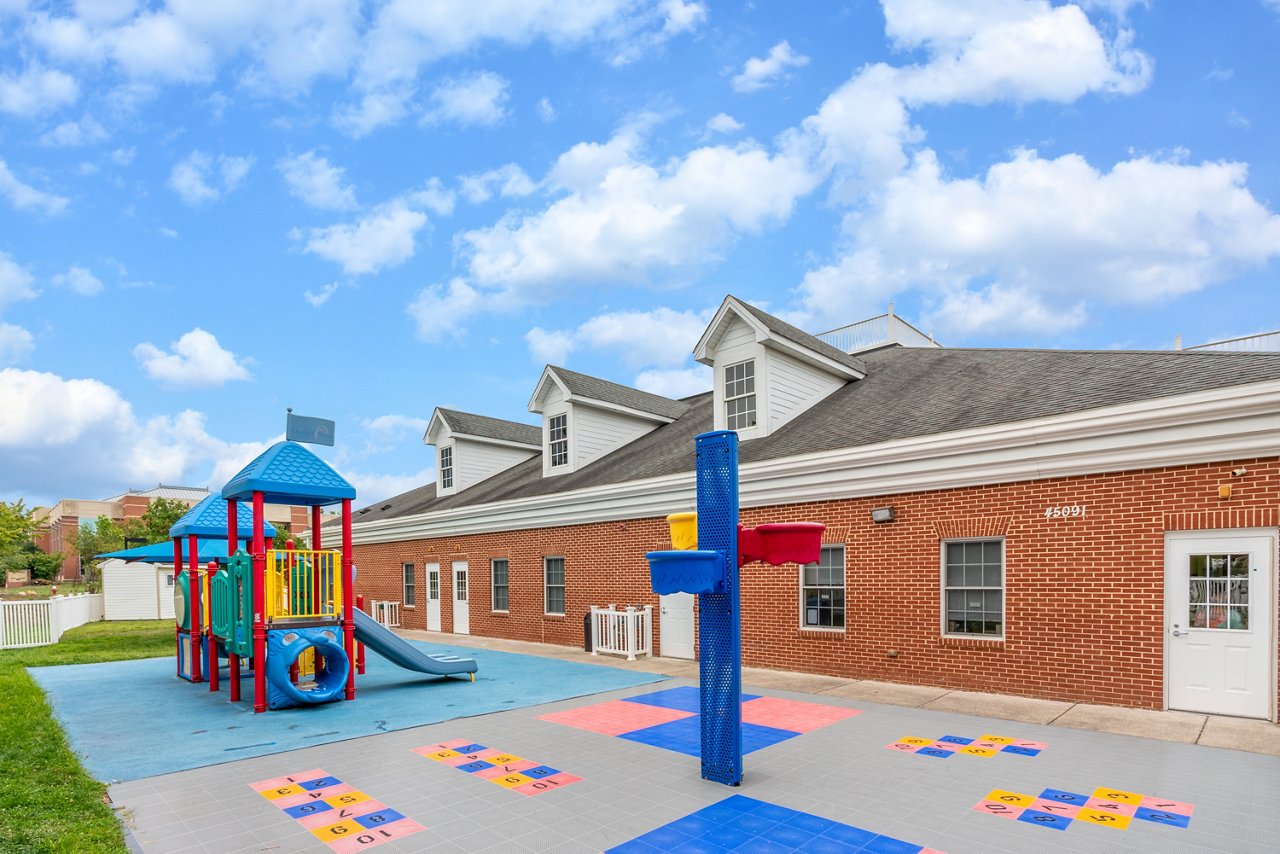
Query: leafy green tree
x=16, y=525
x=154, y=525
x=29, y=556
x=92, y=539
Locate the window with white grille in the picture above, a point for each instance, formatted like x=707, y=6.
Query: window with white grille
x=740, y=395
x=446, y=468
x=558, y=435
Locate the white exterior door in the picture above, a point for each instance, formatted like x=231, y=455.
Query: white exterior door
x=433, y=597
x=1219, y=613
x=461, y=611
x=676, y=614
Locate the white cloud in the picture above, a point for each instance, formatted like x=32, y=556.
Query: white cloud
x=394, y=426
x=319, y=298
x=661, y=338
x=432, y=196
x=36, y=91
x=383, y=238
x=546, y=111
x=550, y=347
x=15, y=282
x=86, y=131
x=171, y=233
x=80, y=280
x=723, y=123
x=510, y=181
x=759, y=72
x=24, y=197
x=1034, y=237
x=676, y=383
x=199, y=178
x=124, y=156
x=196, y=360
x=440, y=311
x=997, y=309
x=317, y=182
x=1238, y=120
x=477, y=100
x=15, y=343
x=373, y=488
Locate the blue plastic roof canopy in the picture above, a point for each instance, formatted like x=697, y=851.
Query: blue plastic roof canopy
x=163, y=552
x=287, y=473
x=209, y=519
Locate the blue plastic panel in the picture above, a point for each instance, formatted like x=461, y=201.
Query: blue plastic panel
x=720, y=633
x=686, y=571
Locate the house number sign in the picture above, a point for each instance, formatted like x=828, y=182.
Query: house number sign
x=1064, y=511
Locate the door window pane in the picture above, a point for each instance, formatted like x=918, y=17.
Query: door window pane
x=1218, y=591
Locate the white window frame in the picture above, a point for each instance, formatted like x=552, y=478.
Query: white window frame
x=446, y=467
x=409, y=584
x=729, y=418
x=844, y=588
x=552, y=441
x=1004, y=579
x=493, y=585
x=547, y=587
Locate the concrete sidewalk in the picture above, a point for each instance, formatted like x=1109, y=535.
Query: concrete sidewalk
x=1253, y=736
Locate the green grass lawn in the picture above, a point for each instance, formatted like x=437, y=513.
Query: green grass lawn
x=42, y=591
x=47, y=800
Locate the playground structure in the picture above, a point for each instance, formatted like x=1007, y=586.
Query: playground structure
x=710, y=570
x=290, y=614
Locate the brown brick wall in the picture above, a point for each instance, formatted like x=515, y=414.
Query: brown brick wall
x=1084, y=596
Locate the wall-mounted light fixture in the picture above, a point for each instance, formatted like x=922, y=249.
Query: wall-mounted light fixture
x=882, y=514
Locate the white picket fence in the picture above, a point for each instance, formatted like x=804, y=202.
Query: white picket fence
x=42, y=622
x=626, y=632
x=386, y=612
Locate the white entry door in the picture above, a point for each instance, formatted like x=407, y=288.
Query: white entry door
x=1219, y=613
x=461, y=611
x=433, y=597
x=676, y=614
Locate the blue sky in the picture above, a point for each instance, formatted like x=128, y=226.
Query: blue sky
x=210, y=212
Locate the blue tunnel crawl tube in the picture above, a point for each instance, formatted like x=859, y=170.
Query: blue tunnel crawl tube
x=284, y=646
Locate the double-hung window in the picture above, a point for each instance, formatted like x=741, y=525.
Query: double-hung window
x=822, y=590
x=446, y=468
x=499, y=573
x=558, y=436
x=740, y=395
x=973, y=588
x=410, y=585
x=553, y=584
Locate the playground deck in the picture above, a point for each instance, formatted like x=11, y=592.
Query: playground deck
x=823, y=773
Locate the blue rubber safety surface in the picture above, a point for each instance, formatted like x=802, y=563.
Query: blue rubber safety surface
x=132, y=719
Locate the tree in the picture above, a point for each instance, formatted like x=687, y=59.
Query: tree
x=16, y=525
x=154, y=525
x=18, y=551
x=28, y=556
x=92, y=539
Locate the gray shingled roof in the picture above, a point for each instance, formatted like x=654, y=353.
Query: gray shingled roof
x=469, y=424
x=804, y=339
x=907, y=392
x=621, y=395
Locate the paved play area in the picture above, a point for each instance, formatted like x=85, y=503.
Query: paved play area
x=618, y=771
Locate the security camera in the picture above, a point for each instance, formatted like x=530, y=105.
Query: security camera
x=1240, y=472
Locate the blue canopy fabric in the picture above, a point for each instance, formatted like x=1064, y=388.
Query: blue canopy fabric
x=287, y=473
x=163, y=552
x=209, y=519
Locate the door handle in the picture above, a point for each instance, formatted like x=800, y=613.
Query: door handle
x=1177, y=633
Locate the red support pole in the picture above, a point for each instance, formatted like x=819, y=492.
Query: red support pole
x=197, y=628
x=233, y=661
x=233, y=527
x=360, y=646
x=259, y=605
x=213, y=641
x=177, y=631
x=348, y=590
x=315, y=527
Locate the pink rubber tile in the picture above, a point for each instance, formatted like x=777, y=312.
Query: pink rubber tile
x=1112, y=807
x=291, y=780
x=1054, y=807
x=332, y=816
x=949, y=746
x=503, y=770
x=904, y=748
x=998, y=809
x=1164, y=805
x=794, y=715
x=1031, y=745
x=376, y=836
x=309, y=797
x=616, y=717
x=452, y=743
x=547, y=784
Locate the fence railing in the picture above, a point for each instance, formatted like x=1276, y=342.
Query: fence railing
x=386, y=612
x=1264, y=342
x=626, y=632
x=42, y=622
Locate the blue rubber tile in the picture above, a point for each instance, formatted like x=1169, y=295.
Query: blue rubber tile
x=1064, y=797
x=1020, y=751
x=684, y=698
x=470, y=748
x=720, y=812
x=732, y=839
x=849, y=835
x=307, y=809
x=319, y=782
x=700, y=846
x=1168, y=818
x=812, y=823
x=540, y=771
x=824, y=845
x=1044, y=819
x=956, y=739
x=473, y=767
x=757, y=737
x=785, y=834
x=934, y=752
x=665, y=837
x=773, y=812
x=889, y=845
x=751, y=823
x=696, y=825
x=384, y=816
x=682, y=736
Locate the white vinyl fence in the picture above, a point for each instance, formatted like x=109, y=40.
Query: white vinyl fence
x=42, y=622
x=386, y=612
x=627, y=632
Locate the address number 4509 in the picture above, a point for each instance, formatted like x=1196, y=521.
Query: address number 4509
x=1064, y=512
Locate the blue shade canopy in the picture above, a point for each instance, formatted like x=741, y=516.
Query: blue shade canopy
x=287, y=473
x=163, y=552
x=209, y=519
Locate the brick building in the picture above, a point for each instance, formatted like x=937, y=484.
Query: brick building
x=1091, y=526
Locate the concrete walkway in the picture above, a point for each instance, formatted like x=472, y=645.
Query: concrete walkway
x=1253, y=736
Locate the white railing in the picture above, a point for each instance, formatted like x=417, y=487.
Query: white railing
x=627, y=632
x=386, y=612
x=862, y=335
x=42, y=622
x=1265, y=342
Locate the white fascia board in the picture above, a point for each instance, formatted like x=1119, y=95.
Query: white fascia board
x=639, y=414
x=811, y=357
x=506, y=443
x=535, y=401
x=436, y=423
x=701, y=350
x=1221, y=424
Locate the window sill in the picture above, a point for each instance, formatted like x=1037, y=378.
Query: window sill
x=555, y=617
x=818, y=633
x=971, y=641
x=500, y=613
x=408, y=607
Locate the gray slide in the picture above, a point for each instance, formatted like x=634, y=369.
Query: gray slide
x=404, y=654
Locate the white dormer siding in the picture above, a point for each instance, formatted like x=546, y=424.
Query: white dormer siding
x=793, y=387
x=477, y=461
x=597, y=433
x=737, y=345
x=472, y=457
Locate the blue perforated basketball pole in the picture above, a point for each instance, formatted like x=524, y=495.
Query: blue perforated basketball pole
x=719, y=628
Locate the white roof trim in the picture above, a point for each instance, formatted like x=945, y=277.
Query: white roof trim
x=1236, y=422
x=702, y=351
x=535, y=402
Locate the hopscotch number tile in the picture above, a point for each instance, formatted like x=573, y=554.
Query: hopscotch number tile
x=1112, y=808
x=506, y=769
x=343, y=818
x=984, y=747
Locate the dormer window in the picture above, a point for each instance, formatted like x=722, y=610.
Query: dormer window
x=558, y=435
x=740, y=395
x=446, y=468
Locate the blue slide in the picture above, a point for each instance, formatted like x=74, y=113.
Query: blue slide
x=404, y=654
